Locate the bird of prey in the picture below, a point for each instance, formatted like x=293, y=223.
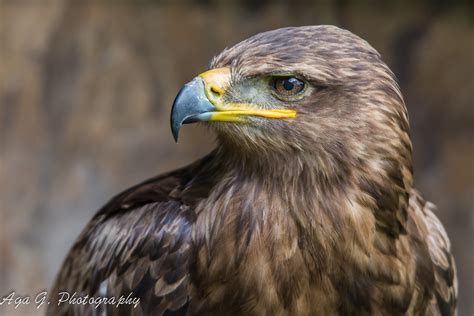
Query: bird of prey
x=305, y=207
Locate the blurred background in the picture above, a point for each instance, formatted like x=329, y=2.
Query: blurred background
x=86, y=89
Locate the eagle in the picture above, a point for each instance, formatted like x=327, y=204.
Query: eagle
x=305, y=207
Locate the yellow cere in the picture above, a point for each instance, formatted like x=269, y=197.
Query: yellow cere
x=216, y=82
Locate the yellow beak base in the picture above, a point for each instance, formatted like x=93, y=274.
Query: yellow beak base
x=237, y=114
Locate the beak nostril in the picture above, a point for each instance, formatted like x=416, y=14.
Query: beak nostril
x=215, y=91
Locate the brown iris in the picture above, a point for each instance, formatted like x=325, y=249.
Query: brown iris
x=288, y=86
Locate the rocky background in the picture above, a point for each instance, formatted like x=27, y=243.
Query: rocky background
x=86, y=89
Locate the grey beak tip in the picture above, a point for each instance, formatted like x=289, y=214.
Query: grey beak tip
x=175, y=136
x=175, y=130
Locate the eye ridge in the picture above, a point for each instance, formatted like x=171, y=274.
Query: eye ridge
x=288, y=86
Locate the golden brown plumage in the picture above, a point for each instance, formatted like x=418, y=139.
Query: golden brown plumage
x=313, y=214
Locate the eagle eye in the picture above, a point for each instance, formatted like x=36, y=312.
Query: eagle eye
x=288, y=86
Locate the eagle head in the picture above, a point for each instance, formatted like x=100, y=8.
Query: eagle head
x=313, y=91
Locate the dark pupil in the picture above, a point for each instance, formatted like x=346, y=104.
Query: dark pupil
x=289, y=84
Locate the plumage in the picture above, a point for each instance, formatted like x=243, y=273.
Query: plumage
x=306, y=214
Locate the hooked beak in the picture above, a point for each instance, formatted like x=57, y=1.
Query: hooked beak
x=200, y=100
x=191, y=105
